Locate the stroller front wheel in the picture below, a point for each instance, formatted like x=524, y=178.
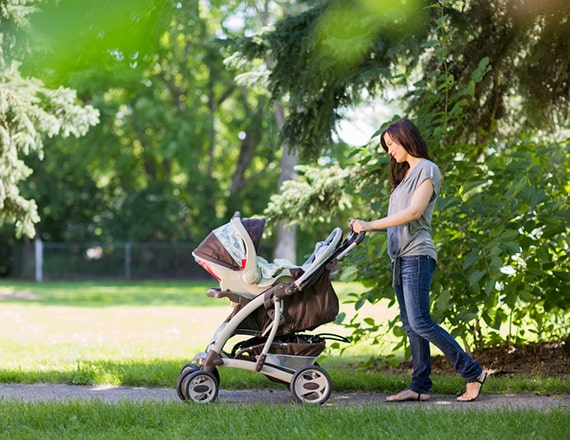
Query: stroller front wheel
x=311, y=384
x=198, y=386
x=182, y=382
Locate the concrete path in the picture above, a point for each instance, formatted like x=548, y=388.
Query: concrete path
x=111, y=394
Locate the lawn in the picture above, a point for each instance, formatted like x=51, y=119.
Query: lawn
x=140, y=334
x=117, y=333
x=154, y=420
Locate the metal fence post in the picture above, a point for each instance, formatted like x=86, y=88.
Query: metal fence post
x=39, y=257
x=127, y=261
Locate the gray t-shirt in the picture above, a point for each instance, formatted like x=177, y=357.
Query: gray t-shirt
x=414, y=238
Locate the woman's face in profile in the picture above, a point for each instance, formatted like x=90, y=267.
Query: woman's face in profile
x=395, y=149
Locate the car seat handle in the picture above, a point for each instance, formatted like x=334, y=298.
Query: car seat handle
x=251, y=273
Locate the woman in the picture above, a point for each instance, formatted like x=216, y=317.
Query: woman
x=415, y=187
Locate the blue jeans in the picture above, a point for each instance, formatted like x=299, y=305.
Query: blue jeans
x=412, y=283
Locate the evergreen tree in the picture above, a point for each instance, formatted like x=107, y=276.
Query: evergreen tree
x=339, y=53
x=29, y=112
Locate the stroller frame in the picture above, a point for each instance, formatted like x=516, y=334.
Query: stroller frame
x=199, y=380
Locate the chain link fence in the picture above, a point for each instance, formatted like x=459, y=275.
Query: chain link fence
x=102, y=261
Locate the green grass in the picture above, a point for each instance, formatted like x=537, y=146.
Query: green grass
x=140, y=334
x=152, y=420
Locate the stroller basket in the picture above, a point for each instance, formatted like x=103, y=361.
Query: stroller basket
x=290, y=362
x=293, y=353
x=295, y=345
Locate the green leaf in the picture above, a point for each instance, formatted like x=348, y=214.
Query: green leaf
x=482, y=69
x=475, y=277
x=443, y=300
x=340, y=318
x=349, y=273
x=430, y=43
x=562, y=275
x=470, y=259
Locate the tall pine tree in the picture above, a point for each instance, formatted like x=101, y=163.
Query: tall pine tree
x=28, y=113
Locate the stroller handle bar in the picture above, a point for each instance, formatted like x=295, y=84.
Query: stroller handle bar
x=339, y=253
x=355, y=237
x=353, y=240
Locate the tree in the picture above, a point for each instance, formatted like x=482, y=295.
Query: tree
x=328, y=56
x=479, y=110
x=263, y=18
x=180, y=143
x=29, y=112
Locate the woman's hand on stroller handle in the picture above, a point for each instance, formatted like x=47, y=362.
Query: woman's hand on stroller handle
x=355, y=237
x=357, y=225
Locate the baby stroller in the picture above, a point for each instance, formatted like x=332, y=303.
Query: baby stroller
x=273, y=304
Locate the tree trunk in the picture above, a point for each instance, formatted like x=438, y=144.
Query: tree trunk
x=286, y=236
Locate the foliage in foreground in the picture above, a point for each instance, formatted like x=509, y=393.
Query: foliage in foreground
x=175, y=420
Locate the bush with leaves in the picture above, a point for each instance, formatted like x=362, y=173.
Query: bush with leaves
x=501, y=226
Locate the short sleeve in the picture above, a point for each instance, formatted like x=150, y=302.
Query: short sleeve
x=431, y=171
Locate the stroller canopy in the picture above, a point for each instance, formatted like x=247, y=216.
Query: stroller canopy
x=225, y=247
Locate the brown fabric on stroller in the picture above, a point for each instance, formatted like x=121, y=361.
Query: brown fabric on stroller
x=315, y=305
x=212, y=250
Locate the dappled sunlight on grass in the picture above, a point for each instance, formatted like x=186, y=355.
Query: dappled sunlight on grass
x=124, y=320
x=117, y=331
x=62, y=339
x=134, y=342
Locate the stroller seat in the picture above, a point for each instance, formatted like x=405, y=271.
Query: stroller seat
x=229, y=254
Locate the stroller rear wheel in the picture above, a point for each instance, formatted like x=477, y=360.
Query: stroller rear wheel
x=311, y=384
x=198, y=386
x=184, y=373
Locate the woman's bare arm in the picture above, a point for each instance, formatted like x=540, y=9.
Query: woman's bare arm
x=418, y=205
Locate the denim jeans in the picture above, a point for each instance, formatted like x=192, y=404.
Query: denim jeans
x=412, y=283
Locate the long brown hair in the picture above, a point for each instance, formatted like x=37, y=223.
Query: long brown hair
x=406, y=134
